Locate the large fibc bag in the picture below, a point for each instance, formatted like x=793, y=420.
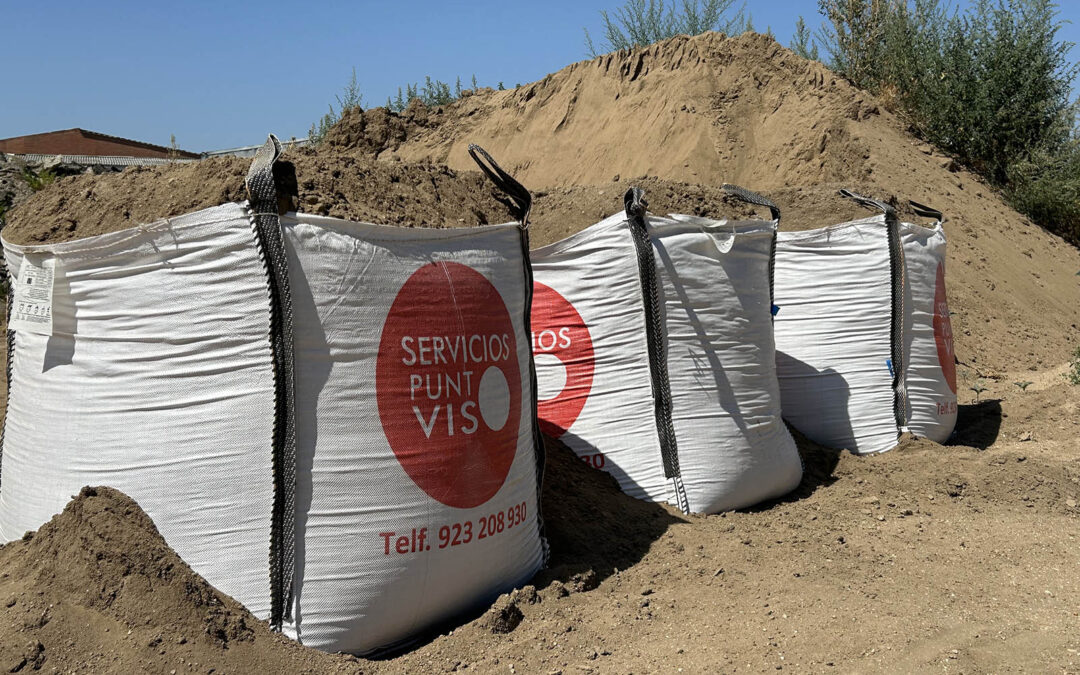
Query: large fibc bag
x=654, y=353
x=333, y=422
x=863, y=338
x=144, y=363
x=417, y=454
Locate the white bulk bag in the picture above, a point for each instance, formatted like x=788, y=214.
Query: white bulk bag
x=929, y=357
x=417, y=459
x=864, y=347
x=395, y=485
x=676, y=397
x=156, y=378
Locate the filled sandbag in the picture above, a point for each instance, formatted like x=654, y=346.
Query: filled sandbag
x=331, y=421
x=418, y=464
x=863, y=338
x=654, y=353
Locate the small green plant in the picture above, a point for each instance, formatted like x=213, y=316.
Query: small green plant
x=38, y=180
x=431, y=93
x=1072, y=375
x=643, y=22
x=350, y=98
x=1023, y=385
x=803, y=43
x=979, y=387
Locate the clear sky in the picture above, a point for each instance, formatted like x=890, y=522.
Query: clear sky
x=222, y=73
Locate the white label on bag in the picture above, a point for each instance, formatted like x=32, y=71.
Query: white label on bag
x=31, y=307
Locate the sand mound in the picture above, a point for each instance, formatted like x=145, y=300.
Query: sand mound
x=98, y=589
x=377, y=130
x=691, y=109
x=711, y=109
x=349, y=186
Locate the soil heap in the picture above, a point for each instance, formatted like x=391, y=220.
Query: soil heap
x=97, y=589
x=711, y=109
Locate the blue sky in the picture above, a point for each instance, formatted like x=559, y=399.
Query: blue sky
x=223, y=73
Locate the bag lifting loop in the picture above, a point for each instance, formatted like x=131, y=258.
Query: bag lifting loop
x=751, y=197
x=890, y=213
x=518, y=194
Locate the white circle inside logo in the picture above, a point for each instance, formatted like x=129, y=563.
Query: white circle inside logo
x=494, y=398
x=554, y=380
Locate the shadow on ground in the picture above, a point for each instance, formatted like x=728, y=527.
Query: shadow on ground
x=591, y=525
x=978, y=424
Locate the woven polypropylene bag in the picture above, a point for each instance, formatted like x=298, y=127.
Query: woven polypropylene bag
x=416, y=458
x=593, y=359
x=836, y=357
x=157, y=380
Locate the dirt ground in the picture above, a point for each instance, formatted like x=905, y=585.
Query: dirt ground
x=959, y=558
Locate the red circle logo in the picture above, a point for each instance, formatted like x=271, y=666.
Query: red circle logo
x=943, y=330
x=563, y=351
x=448, y=384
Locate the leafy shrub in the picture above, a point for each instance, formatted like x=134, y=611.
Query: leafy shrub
x=38, y=180
x=643, y=22
x=991, y=86
x=350, y=98
x=802, y=41
x=1073, y=374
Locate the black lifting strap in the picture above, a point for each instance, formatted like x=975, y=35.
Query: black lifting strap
x=264, y=206
x=890, y=212
x=521, y=201
x=519, y=196
x=751, y=197
x=898, y=274
x=924, y=211
x=635, y=205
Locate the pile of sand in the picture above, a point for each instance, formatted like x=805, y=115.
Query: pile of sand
x=343, y=185
x=98, y=590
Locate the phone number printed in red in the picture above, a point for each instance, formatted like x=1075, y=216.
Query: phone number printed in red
x=454, y=534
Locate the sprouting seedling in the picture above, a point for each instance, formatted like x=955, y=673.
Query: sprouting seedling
x=978, y=388
x=1024, y=384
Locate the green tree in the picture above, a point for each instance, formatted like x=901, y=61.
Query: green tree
x=643, y=22
x=991, y=85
